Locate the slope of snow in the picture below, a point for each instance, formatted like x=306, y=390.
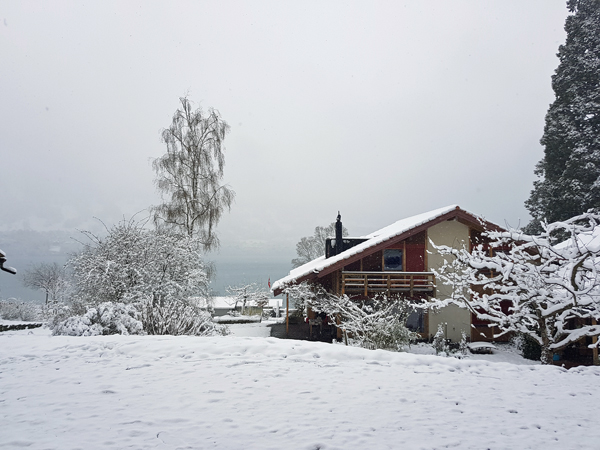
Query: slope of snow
x=162, y=392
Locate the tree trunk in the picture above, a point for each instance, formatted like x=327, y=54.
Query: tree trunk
x=547, y=353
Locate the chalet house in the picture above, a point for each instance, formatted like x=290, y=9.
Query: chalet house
x=399, y=259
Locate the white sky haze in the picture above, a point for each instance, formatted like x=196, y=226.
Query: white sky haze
x=380, y=110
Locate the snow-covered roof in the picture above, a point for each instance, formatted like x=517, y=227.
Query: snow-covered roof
x=589, y=241
x=379, y=236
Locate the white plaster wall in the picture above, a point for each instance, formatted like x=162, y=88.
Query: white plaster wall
x=455, y=319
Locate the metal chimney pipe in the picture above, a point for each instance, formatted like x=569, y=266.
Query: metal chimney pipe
x=339, y=243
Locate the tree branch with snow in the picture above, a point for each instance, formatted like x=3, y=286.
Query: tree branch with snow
x=531, y=284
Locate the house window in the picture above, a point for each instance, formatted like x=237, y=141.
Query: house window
x=392, y=259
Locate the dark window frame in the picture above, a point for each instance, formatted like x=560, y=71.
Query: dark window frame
x=390, y=257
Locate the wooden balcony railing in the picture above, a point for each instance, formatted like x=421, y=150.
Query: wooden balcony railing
x=366, y=283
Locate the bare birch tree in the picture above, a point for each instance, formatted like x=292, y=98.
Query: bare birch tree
x=312, y=247
x=249, y=294
x=50, y=278
x=189, y=175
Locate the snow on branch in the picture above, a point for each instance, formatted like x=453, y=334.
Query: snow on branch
x=531, y=284
x=372, y=323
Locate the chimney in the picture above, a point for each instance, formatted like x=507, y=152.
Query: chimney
x=339, y=243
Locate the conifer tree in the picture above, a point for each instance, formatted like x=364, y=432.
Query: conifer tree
x=569, y=173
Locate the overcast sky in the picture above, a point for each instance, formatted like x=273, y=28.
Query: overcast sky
x=379, y=109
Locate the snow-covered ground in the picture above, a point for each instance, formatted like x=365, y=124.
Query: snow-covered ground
x=251, y=329
x=234, y=392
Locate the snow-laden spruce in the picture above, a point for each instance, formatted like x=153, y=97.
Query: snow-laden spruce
x=531, y=284
x=569, y=173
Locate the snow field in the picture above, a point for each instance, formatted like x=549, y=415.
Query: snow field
x=228, y=392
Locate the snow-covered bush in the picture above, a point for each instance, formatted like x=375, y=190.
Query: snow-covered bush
x=173, y=318
x=530, y=348
x=56, y=311
x=103, y=319
x=13, y=309
x=463, y=346
x=134, y=264
x=179, y=318
x=157, y=270
x=391, y=334
x=378, y=323
x=439, y=341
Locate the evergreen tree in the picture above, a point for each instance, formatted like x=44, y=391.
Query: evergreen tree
x=569, y=173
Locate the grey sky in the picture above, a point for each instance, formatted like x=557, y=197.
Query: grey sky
x=378, y=109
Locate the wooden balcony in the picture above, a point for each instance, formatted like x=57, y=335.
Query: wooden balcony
x=369, y=283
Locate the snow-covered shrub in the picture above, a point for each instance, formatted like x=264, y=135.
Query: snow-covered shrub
x=106, y=318
x=378, y=323
x=389, y=334
x=56, y=312
x=134, y=264
x=267, y=313
x=234, y=313
x=179, y=318
x=159, y=270
x=13, y=309
x=439, y=341
x=530, y=348
x=516, y=342
x=463, y=346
